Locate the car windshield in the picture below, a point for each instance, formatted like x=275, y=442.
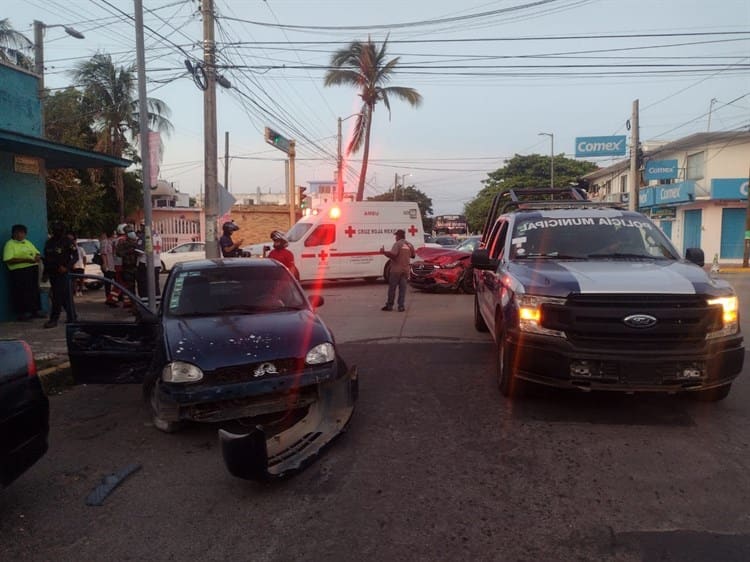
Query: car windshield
x=89, y=246
x=590, y=237
x=232, y=290
x=468, y=245
x=298, y=231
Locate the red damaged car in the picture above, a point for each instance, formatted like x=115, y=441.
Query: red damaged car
x=445, y=268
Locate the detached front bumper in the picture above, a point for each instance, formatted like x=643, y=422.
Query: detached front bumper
x=262, y=455
x=555, y=362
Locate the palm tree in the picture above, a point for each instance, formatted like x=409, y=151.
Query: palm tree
x=110, y=97
x=14, y=46
x=364, y=66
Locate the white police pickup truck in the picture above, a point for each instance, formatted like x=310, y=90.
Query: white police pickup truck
x=580, y=295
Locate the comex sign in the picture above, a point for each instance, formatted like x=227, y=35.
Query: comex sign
x=600, y=146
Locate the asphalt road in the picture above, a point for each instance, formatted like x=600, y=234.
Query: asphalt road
x=436, y=466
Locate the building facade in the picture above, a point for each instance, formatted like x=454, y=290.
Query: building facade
x=695, y=189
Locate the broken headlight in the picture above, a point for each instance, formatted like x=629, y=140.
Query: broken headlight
x=322, y=353
x=179, y=371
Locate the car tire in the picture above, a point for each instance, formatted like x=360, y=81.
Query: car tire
x=467, y=282
x=509, y=384
x=159, y=423
x=479, y=324
x=712, y=394
x=163, y=268
x=93, y=286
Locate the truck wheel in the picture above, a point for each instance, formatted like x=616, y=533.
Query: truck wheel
x=479, y=323
x=467, y=282
x=712, y=394
x=510, y=385
x=159, y=423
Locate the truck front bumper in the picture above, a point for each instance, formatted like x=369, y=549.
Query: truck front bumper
x=554, y=361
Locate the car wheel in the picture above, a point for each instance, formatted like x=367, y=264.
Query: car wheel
x=93, y=286
x=164, y=268
x=509, y=384
x=712, y=394
x=467, y=282
x=159, y=423
x=479, y=323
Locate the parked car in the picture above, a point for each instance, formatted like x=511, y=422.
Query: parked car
x=233, y=339
x=91, y=247
x=446, y=241
x=24, y=411
x=445, y=268
x=184, y=252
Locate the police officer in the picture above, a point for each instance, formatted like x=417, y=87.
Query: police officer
x=60, y=253
x=229, y=249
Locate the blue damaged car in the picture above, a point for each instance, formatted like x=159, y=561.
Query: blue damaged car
x=233, y=339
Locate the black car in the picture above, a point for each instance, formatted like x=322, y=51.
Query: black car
x=24, y=411
x=233, y=339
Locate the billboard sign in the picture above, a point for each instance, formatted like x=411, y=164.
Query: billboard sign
x=660, y=170
x=674, y=193
x=587, y=147
x=729, y=188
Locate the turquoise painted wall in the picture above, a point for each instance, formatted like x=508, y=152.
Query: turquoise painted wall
x=23, y=196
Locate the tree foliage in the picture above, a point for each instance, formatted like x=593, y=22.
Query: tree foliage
x=523, y=172
x=410, y=193
x=15, y=47
x=364, y=66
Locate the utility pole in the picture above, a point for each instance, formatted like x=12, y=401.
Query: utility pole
x=145, y=156
x=746, y=255
x=710, y=111
x=395, y=187
x=339, y=169
x=292, y=188
x=226, y=160
x=39, y=54
x=634, y=164
x=210, y=156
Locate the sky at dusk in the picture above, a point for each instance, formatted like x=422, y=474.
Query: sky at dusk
x=493, y=75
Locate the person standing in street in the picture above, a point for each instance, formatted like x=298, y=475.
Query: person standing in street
x=79, y=266
x=60, y=253
x=22, y=259
x=108, y=261
x=229, y=249
x=399, y=255
x=126, y=250
x=281, y=254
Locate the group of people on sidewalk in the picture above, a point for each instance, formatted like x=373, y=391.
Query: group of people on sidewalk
x=122, y=258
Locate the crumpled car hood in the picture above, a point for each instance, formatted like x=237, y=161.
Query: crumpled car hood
x=217, y=341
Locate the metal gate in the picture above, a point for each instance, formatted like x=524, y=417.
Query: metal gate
x=175, y=231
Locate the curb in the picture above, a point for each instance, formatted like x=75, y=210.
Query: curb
x=54, y=379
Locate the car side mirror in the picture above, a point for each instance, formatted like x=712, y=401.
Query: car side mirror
x=316, y=301
x=480, y=259
x=695, y=255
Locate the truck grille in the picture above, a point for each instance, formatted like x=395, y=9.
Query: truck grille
x=597, y=321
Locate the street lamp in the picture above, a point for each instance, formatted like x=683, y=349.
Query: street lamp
x=39, y=28
x=551, y=159
x=340, y=162
x=395, y=185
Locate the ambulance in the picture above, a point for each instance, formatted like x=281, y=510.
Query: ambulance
x=343, y=240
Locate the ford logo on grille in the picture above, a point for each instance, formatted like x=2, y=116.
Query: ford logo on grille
x=640, y=321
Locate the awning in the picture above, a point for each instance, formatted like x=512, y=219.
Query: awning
x=57, y=155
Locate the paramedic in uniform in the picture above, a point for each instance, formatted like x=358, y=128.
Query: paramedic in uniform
x=399, y=255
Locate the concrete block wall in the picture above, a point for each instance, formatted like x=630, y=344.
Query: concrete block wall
x=257, y=221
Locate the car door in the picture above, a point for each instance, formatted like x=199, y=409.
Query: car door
x=488, y=289
x=112, y=346
x=317, y=261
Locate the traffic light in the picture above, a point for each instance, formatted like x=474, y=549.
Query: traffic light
x=303, y=200
x=275, y=139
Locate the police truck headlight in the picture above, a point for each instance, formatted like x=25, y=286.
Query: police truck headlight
x=729, y=316
x=323, y=353
x=530, y=314
x=179, y=371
